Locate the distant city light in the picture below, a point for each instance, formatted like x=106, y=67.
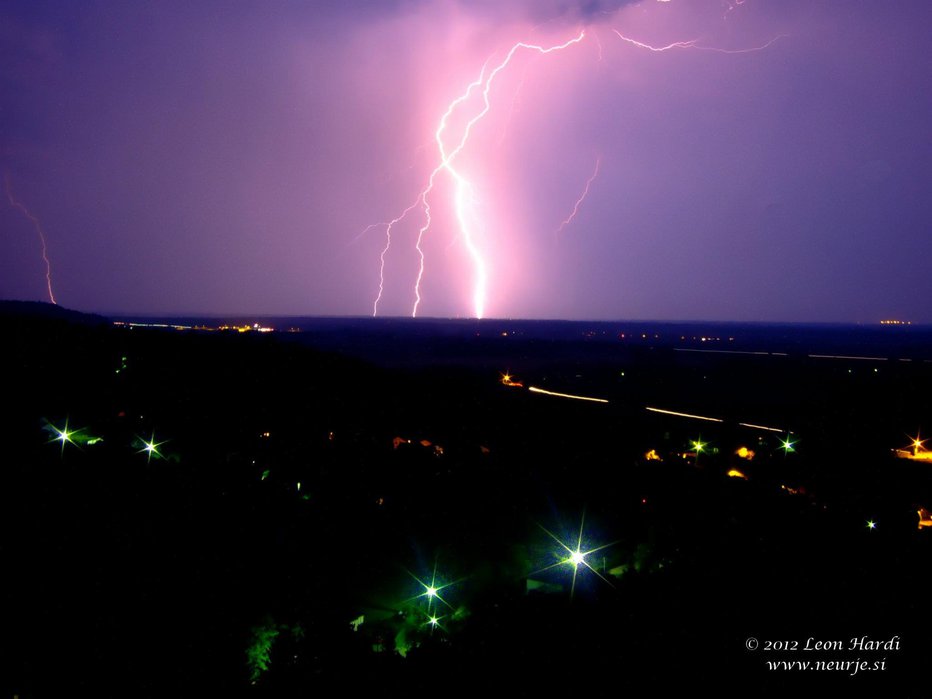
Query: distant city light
x=871, y=524
x=509, y=380
x=916, y=450
x=255, y=327
x=925, y=519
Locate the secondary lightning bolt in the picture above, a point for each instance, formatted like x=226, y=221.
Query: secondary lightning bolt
x=38, y=226
x=675, y=45
x=464, y=195
x=751, y=49
x=582, y=197
x=694, y=44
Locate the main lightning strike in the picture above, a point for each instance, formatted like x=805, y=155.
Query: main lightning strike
x=38, y=226
x=464, y=195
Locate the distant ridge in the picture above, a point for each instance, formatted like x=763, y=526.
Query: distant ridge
x=48, y=311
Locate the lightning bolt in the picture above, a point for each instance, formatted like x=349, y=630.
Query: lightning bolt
x=694, y=44
x=598, y=42
x=751, y=49
x=464, y=196
x=388, y=243
x=464, y=199
x=691, y=44
x=359, y=236
x=582, y=197
x=38, y=226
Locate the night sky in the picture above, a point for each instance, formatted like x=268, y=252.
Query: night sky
x=244, y=158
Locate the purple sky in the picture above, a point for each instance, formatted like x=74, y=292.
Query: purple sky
x=220, y=157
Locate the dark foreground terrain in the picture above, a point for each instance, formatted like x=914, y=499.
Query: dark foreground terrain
x=368, y=505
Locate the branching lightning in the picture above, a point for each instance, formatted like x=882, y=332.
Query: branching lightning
x=464, y=197
x=582, y=197
x=691, y=44
x=38, y=226
x=471, y=107
x=751, y=49
x=694, y=44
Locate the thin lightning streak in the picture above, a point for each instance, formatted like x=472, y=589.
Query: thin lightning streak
x=675, y=45
x=38, y=226
x=388, y=240
x=359, y=236
x=388, y=244
x=694, y=44
x=582, y=197
x=752, y=49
